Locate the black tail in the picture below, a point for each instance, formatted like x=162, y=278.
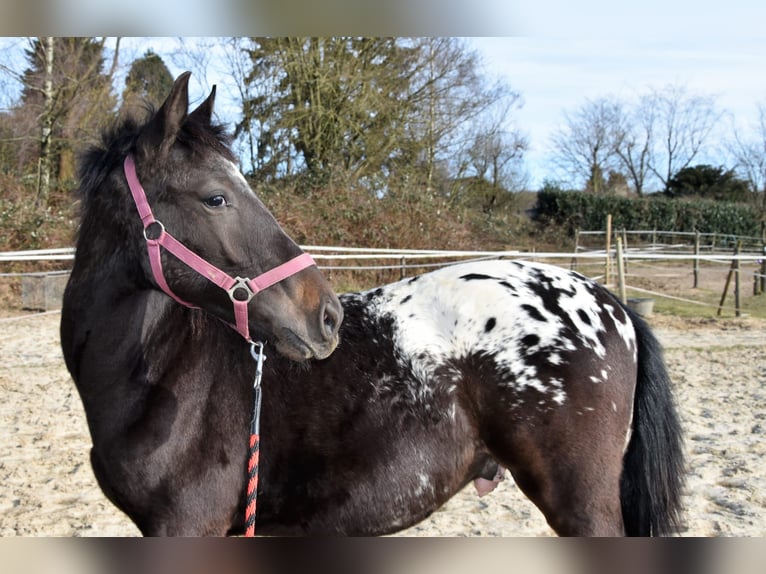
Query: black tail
x=653, y=469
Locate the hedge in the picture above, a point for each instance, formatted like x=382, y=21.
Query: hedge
x=577, y=210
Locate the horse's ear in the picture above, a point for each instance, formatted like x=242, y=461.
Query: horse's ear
x=204, y=112
x=160, y=133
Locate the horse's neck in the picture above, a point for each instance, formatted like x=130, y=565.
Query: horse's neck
x=120, y=340
x=106, y=298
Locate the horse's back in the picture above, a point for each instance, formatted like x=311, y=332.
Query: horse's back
x=525, y=316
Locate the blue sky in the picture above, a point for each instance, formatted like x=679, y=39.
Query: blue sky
x=555, y=74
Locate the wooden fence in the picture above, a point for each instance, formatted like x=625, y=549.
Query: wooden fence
x=603, y=256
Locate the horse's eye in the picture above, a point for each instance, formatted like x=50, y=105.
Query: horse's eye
x=215, y=201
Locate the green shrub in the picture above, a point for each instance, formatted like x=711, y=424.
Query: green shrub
x=576, y=210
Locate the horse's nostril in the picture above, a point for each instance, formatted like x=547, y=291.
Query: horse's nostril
x=331, y=318
x=329, y=322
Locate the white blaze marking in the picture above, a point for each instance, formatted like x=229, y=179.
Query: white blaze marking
x=232, y=169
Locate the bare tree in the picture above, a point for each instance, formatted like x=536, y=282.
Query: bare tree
x=238, y=67
x=450, y=96
x=228, y=58
x=493, y=155
x=11, y=70
x=584, y=145
x=750, y=156
x=64, y=97
x=682, y=123
x=48, y=116
x=632, y=140
x=495, y=148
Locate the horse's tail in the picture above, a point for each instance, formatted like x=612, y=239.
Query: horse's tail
x=653, y=467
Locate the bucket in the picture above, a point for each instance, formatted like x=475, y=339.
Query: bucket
x=641, y=305
x=43, y=291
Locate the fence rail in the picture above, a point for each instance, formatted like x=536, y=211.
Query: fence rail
x=361, y=259
x=697, y=241
x=57, y=254
x=330, y=253
x=657, y=232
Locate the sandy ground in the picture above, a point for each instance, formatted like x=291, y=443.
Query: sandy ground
x=718, y=367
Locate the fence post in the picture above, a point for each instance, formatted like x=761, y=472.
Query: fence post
x=625, y=249
x=732, y=268
x=763, y=271
x=401, y=269
x=696, y=258
x=607, y=248
x=573, y=264
x=763, y=260
x=621, y=272
x=737, y=266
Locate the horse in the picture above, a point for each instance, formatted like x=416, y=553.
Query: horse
x=377, y=406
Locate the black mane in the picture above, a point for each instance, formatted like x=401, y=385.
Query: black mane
x=98, y=161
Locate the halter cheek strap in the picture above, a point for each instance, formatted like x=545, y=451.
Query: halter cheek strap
x=240, y=290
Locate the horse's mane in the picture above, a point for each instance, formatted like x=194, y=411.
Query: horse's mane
x=99, y=160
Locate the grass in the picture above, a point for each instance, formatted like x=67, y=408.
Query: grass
x=750, y=305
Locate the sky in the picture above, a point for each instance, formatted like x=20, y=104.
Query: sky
x=557, y=74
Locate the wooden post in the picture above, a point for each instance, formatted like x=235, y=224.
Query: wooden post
x=625, y=249
x=573, y=264
x=607, y=248
x=737, y=267
x=696, y=258
x=763, y=259
x=763, y=271
x=401, y=269
x=621, y=271
x=732, y=269
x=725, y=289
x=654, y=239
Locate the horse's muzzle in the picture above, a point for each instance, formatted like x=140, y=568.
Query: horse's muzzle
x=319, y=340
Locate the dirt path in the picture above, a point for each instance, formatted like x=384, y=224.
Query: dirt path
x=719, y=370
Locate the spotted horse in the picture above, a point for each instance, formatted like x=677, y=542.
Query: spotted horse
x=456, y=375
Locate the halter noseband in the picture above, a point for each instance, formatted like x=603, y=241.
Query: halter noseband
x=240, y=290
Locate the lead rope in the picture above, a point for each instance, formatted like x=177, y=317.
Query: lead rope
x=255, y=440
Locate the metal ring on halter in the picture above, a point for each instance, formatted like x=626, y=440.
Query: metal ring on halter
x=258, y=357
x=240, y=283
x=159, y=235
x=256, y=354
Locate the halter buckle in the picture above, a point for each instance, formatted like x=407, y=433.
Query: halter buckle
x=153, y=225
x=240, y=284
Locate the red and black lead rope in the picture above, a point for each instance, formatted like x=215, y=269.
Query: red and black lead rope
x=256, y=350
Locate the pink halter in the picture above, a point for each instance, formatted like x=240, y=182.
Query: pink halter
x=240, y=290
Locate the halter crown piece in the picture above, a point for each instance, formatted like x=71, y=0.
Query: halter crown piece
x=240, y=290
